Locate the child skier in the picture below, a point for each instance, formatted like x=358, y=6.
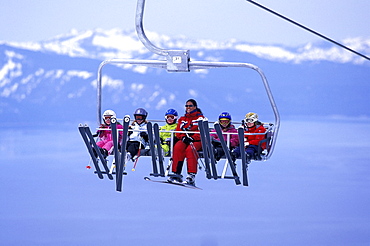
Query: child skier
x=224, y=120
x=166, y=140
x=251, y=125
x=138, y=136
x=105, y=142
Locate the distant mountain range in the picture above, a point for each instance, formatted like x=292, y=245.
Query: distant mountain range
x=55, y=80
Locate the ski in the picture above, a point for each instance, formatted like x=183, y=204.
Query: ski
x=227, y=153
x=120, y=156
x=152, y=148
x=159, y=148
x=242, y=154
x=171, y=183
x=101, y=158
x=210, y=148
x=116, y=153
x=82, y=129
x=204, y=148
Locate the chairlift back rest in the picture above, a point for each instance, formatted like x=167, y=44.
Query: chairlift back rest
x=267, y=140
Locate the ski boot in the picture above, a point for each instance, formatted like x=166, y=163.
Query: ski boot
x=104, y=152
x=128, y=157
x=190, y=179
x=175, y=178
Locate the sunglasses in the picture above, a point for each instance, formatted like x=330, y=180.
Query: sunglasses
x=189, y=106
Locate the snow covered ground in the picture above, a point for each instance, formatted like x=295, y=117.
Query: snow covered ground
x=313, y=191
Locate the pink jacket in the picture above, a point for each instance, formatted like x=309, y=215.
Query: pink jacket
x=234, y=139
x=106, y=135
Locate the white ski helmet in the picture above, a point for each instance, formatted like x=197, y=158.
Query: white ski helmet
x=251, y=118
x=110, y=113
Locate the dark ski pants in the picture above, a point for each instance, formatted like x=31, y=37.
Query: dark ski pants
x=133, y=147
x=250, y=151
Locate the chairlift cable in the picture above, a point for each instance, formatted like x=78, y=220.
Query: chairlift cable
x=308, y=29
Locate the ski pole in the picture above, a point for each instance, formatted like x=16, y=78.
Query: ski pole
x=138, y=155
x=89, y=165
x=112, y=167
x=195, y=152
x=168, y=167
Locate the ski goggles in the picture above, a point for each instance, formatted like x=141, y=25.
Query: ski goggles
x=224, y=122
x=139, y=117
x=249, y=120
x=170, y=117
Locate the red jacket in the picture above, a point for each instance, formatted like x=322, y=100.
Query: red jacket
x=255, y=139
x=189, y=122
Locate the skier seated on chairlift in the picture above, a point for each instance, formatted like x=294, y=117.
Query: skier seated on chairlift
x=188, y=144
x=251, y=125
x=167, y=137
x=105, y=142
x=138, y=136
x=224, y=119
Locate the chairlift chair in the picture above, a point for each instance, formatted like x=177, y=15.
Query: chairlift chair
x=179, y=61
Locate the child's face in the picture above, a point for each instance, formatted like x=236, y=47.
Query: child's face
x=107, y=120
x=250, y=124
x=224, y=123
x=139, y=118
x=170, y=119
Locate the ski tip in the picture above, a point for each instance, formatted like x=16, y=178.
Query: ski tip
x=126, y=119
x=146, y=178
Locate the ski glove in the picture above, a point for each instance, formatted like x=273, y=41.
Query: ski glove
x=187, y=140
x=183, y=124
x=144, y=135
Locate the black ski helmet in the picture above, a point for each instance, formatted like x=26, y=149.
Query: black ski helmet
x=142, y=112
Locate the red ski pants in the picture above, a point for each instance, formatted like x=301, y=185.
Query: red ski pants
x=182, y=151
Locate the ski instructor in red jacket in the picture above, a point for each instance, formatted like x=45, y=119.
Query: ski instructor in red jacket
x=188, y=144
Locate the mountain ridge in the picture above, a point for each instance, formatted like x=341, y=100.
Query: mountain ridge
x=61, y=82
x=124, y=43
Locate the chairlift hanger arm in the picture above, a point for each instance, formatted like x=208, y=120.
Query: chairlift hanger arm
x=177, y=60
x=140, y=30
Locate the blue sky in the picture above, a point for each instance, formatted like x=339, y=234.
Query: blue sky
x=26, y=20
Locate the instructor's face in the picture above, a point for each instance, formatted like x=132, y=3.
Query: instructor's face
x=189, y=107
